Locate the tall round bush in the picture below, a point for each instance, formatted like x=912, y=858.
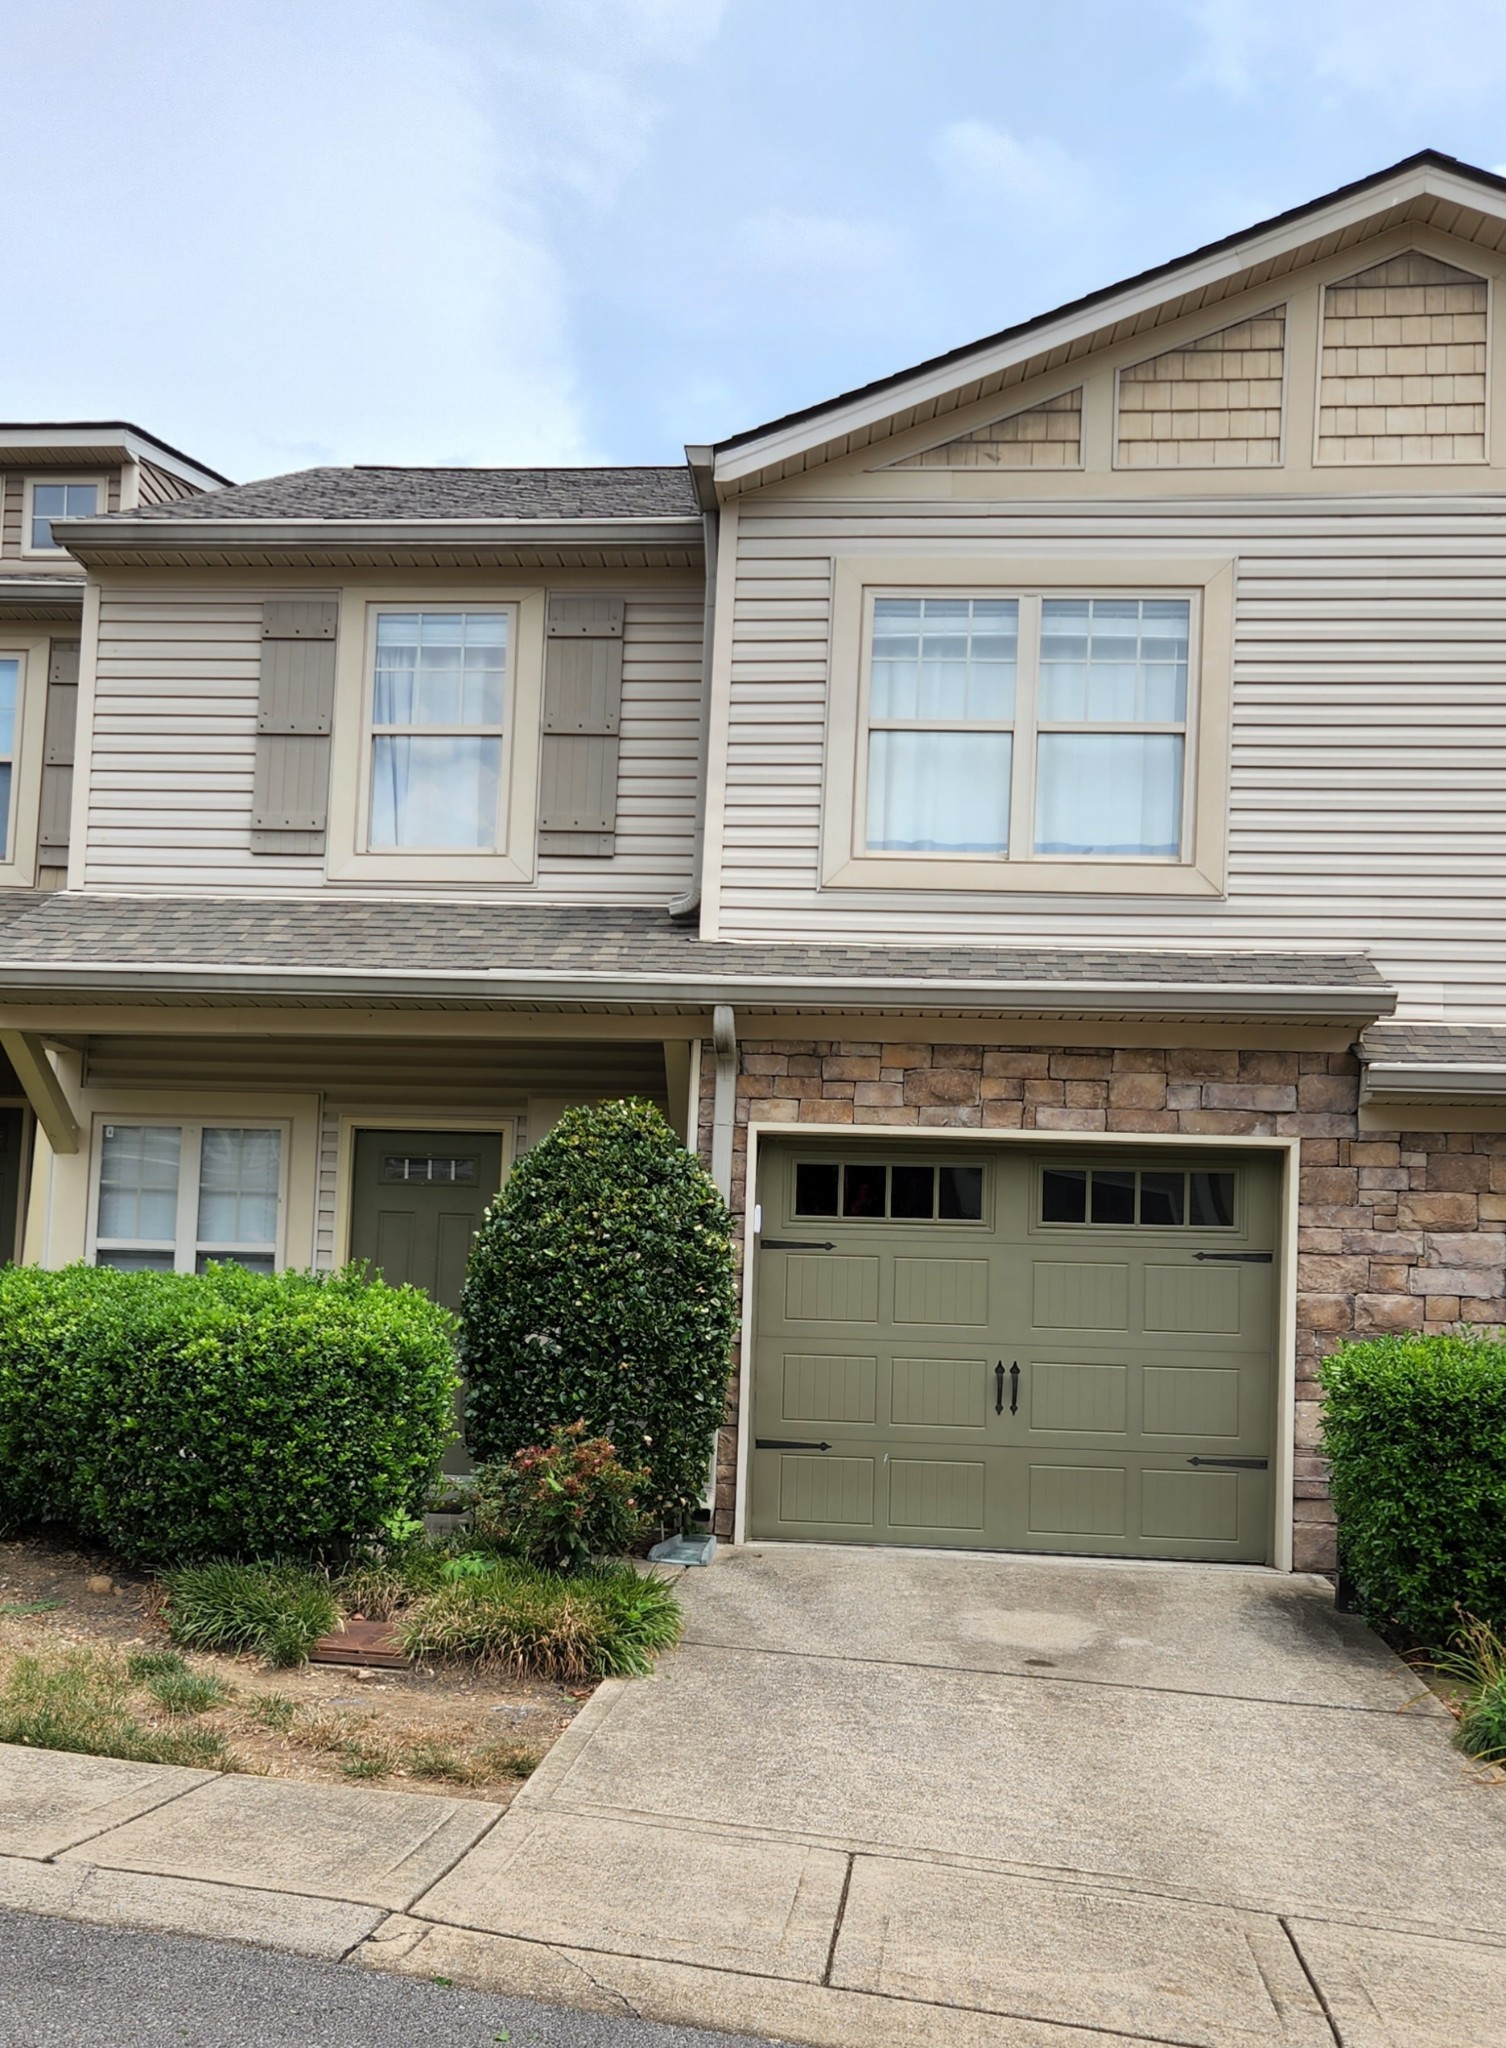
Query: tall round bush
x=601, y=1289
x=1414, y=1429
x=173, y=1416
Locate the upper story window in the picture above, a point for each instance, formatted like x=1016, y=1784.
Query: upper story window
x=49, y=501
x=438, y=730
x=1040, y=725
x=1028, y=726
x=10, y=705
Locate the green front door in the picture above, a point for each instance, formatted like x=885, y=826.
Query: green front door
x=1016, y=1350
x=11, y=1128
x=418, y=1201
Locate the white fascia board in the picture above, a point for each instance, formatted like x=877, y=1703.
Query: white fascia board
x=137, y=447
x=866, y=411
x=1451, y=1081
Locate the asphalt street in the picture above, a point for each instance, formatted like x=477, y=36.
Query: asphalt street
x=67, y=1985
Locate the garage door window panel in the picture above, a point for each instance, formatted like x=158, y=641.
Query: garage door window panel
x=880, y=1191
x=1124, y=1198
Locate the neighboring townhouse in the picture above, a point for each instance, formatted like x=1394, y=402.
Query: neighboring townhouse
x=53, y=470
x=1035, y=823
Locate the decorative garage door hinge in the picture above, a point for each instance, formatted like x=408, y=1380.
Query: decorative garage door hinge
x=1234, y=1464
x=786, y=1443
x=795, y=1244
x=1237, y=1258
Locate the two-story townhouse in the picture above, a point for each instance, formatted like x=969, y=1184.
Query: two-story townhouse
x=1034, y=822
x=50, y=471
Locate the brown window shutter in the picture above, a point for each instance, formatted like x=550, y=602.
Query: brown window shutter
x=582, y=716
x=294, y=715
x=59, y=724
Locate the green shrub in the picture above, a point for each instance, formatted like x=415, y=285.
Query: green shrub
x=601, y=1288
x=535, y=1624
x=170, y=1415
x=275, y=1611
x=1414, y=1429
x=563, y=1503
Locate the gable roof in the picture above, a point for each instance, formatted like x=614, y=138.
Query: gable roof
x=1429, y=187
x=391, y=491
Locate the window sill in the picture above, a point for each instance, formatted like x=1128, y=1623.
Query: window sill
x=1033, y=878
x=422, y=869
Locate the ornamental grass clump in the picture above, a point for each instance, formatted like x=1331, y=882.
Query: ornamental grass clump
x=274, y=1611
x=530, y=1623
x=601, y=1290
x=1414, y=1429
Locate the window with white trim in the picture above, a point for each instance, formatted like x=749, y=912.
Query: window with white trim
x=1028, y=727
x=171, y=1197
x=10, y=715
x=438, y=730
x=57, y=501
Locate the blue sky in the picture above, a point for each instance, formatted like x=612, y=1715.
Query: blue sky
x=283, y=232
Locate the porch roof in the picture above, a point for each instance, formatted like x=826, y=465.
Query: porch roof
x=416, y=951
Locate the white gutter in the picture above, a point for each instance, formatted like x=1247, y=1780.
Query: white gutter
x=84, y=537
x=1435, y=1081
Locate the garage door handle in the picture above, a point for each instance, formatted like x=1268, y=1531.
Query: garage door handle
x=1237, y=1258
x=1234, y=1464
x=795, y=1244
x=999, y=1388
x=1014, y=1388
x=786, y=1443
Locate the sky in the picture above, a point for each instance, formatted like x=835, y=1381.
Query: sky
x=277, y=233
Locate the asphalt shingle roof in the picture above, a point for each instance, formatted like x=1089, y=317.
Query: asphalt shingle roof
x=464, y=939
x=1436, y=1045
x=396, y=493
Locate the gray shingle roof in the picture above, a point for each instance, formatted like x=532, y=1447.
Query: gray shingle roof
x=1436, y=1045
x=494, y=947
x=395, y=493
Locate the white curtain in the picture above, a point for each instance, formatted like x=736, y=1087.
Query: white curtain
x=1109, y=793
x=434, y=792
x=938, y=792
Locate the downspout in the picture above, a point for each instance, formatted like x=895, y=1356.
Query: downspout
x=689, y=903
x=724, y=1100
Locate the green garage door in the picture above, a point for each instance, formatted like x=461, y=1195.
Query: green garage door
x=1011, y=1350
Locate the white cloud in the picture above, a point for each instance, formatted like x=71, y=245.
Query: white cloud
x=990, y=167
x=1432, y=63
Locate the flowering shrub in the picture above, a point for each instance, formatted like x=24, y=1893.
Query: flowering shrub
x=561, y=1504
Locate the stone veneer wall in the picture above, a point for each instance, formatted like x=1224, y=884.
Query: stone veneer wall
x=1402, y=1230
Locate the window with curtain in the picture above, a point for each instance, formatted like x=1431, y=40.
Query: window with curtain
x=438, y=725
x=173, y=1197
x=10, y=704
x=59, y=501
x=1028, y=726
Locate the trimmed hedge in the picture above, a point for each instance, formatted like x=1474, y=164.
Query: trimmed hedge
x=174, y=1416
x=1414, y=1429
x=601, y=1290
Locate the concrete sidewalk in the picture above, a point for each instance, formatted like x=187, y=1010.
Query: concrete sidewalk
x=890, y=1798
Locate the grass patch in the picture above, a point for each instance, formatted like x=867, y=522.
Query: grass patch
x=276, y=1611
x=272, y=1710
x=82, y=1702
x=187, y=1692
x=517, y=1618
x=1478, y=1662
x=29, y=1606
x=145, y=1664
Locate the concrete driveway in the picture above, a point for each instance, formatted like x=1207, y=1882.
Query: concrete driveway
x=926, y=1798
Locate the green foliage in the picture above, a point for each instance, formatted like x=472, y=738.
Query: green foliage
x=276, y=1611
x=536, y=1624
x=170, y=1416
x=188, y=1692
x=81, y=1703
x=601, y=1288
x=563, y=1503
x=1414, y=1429
x=145, y=1664
x=1478, y=1659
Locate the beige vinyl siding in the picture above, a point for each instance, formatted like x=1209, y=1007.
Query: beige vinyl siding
x=1044, y=436
x=157, y=486
x=1215, y=402
x=509, y=1080
x=1402, y=377
x=12, y=497
x=174, y=741
x=1368, y=801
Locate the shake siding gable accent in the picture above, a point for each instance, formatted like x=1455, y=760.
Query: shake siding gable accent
x=61, y=722
x=1368, y=752
x=1213, y=403
x=294, y=718
x=582, y=725
x=174, y=739
x=1044, y=436
x=156, y=486
x=1402, y=376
